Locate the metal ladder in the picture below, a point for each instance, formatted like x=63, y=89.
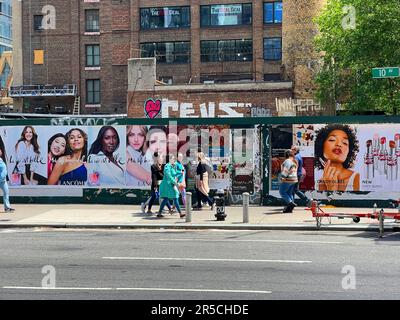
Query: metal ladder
x=77, y=104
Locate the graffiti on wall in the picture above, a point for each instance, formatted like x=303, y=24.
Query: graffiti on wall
x=152, y=108
x=291, y=107
x=156, y=107
x=260, y=111
x=83, y=121
x=255, y=198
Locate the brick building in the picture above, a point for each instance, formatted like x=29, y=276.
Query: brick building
x=76, y=52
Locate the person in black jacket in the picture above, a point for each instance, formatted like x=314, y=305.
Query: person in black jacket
x=157, y=175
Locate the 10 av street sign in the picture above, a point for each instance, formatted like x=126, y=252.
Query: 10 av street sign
x=385, y=72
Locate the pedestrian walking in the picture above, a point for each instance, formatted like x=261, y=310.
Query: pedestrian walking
x=169, y=187
x=202, y=187
x=181, y=178
x=157, y=175
x=288, y=181
x=300, y=176
x=3, y=178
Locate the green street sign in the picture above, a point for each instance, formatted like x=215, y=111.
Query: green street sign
x=378, y=73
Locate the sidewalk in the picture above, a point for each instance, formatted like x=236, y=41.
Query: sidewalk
x=126, y=217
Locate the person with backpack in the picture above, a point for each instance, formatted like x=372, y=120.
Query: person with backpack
x=288, y=181
x=301, y=174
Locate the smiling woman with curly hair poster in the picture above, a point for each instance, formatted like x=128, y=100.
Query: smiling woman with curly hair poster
x=336, y=149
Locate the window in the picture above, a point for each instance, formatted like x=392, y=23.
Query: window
x=272, y=12
x=272, y=77
x=273, y=49
x=166, y=17
x=93, y=55
x=226, y=15
x=92, y=20
x=93, y=91
x=167, y=52
x=226, y=50
x=38, y=22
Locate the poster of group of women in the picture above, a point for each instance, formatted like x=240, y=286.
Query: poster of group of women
x=97, y=156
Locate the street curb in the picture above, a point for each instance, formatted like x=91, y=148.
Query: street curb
x=194, y=226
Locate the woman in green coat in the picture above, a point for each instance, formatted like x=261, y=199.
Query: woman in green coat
x=169, y=187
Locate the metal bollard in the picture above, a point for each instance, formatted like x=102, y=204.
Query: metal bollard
x=188, y=207
x=220, y=205
x=246, y=201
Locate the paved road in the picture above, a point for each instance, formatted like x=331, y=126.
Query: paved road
x=179, y=265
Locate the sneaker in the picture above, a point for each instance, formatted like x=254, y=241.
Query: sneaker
x=9, y=210
x=159, y=215
x=182, y=215
x=143, y=207
x=150, y=212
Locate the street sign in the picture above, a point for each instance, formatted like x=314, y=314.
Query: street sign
x=378, y=73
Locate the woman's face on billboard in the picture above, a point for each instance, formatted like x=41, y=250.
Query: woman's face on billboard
x=57, y=147
x=336, y=146
x=136, y=138
x=28, y=135
x=158, y=142
x=76, y=140
x=109, y=141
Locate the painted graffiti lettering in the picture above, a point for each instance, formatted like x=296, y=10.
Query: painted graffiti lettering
x=290, y=107
x=260, y=112
x=255, y=198
x=188, y=110
x=83, y=121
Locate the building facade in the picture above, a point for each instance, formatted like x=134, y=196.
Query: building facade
x=6, y=43
x=5, y=25
x=76, y=52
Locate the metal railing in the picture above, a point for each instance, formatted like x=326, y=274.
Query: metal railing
x=43, y=91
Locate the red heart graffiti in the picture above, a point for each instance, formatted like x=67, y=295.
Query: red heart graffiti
x=152, y=108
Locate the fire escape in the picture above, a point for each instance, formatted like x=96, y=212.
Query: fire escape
x=32, y=91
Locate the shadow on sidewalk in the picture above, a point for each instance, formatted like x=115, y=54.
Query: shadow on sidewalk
x=388, y=236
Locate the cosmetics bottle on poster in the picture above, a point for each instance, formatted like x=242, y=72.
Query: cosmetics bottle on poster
x=392, y=162
x=369, y=161
x=397, y=149
x=15, y=176
x=375, y=152
x=382, y=165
